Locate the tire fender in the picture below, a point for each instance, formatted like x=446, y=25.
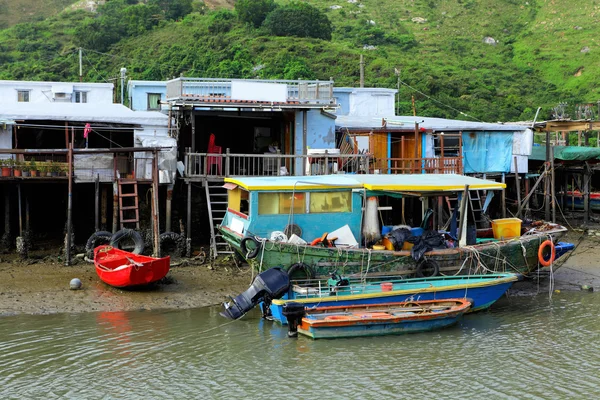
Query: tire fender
x=128, y=233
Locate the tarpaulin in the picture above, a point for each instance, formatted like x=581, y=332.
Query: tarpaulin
x=567, y=153
x=485, y=152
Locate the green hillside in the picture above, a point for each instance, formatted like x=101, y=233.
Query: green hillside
x=13, y=12
x=489, y=60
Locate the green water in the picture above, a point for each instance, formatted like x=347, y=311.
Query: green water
x=524, y=348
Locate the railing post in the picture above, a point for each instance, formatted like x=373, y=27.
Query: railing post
x=227, y=161
x=278, y=163
x=205, y=165
x=326, y=162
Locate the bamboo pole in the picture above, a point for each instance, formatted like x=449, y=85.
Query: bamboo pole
x=155, y=220
x=526, y=199
x=553, y=185
x=517, y=183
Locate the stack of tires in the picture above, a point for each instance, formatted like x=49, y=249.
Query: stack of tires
x=167, y=239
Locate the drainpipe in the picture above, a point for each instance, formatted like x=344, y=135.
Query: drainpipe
x=389, y=152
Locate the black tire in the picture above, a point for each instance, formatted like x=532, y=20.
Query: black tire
x=309, y=273
x=292, y=229
x=97, y=239
x=253, y=253
x=128, y=233
x=171, y=238
x=427, y=269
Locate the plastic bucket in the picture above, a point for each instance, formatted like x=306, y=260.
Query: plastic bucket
x=387, y=286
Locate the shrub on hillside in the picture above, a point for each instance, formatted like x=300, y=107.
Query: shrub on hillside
x=254, y=12
x=173, y=9
x=298, y=19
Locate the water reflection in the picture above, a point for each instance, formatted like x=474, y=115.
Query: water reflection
x=524, y=347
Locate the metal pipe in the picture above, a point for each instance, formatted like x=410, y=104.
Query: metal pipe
x=155, y=220
x=97, y=203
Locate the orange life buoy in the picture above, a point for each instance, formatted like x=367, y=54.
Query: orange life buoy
x=541, y=259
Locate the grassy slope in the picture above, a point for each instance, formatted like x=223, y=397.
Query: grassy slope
x=13, y=12
x=535, y=62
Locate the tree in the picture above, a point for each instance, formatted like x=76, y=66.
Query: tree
x=173, y=9
x=298, y=19
x=254, y=12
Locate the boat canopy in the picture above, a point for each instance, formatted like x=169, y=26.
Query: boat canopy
x=422, y=183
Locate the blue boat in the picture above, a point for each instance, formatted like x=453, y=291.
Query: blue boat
x=481, y=290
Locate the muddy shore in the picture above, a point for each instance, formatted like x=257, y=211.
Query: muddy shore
x=41, y=285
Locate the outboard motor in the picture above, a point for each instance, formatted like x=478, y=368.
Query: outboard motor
x=271, y=284
x=293, y=312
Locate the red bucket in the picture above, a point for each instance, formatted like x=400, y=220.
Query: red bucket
x=387, y=286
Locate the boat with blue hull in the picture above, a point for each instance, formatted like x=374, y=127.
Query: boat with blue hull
x=381, y=319
x=481, y=290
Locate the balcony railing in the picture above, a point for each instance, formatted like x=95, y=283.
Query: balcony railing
x=312, y=92
x=199, y=165
x=106, y=165
x=446, y=165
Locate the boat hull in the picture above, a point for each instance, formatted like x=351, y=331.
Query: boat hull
x=398, y=318
x=115, y=267
x=519, y=255
x=481, y=290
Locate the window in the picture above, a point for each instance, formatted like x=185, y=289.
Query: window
x=318, y=202
x=80, y=97
x=280, y=203
x=153, y=101
x=23, y=96
x=330, y=202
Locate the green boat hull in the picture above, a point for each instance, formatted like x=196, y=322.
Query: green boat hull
x=519, y=255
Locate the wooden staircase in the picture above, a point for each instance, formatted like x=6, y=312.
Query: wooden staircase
x=216, y=200
x=129, y=211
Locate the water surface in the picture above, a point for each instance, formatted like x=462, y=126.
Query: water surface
x=525, y=347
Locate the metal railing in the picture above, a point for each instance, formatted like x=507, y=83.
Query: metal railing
x=313, y=92
x=198, y=165
x=88, y=164
x=446, y=165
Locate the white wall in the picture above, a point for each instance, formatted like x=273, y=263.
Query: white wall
x=372, y=102
x=44, y=92
x=6, y=139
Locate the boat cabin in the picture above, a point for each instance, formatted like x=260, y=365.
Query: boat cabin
x=311, y=206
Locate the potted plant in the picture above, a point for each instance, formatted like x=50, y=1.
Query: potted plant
x=24, y=168
x=54, y=169
x=43, y=170
x=33, y=168
x=7, y=164
x=17, y=168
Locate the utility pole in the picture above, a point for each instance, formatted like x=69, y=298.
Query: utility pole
x=123, y=72
x=362, y=71
x=80, y=66
x=398, y=71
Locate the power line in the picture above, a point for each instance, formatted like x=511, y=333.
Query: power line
x=439, y=102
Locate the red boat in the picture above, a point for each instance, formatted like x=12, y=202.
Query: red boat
x=124, y=269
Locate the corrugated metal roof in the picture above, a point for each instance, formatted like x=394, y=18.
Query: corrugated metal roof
x=407, y=123
x=76, y=112
x=407, y=182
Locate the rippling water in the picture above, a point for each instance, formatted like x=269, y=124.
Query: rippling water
x=526, y=347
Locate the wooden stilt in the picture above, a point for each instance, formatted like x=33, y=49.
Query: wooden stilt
x=503, y=197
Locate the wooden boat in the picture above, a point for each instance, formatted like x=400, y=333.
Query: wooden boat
x=124, y=269
x=481, y=290
x=312, y=205
x=381, y=319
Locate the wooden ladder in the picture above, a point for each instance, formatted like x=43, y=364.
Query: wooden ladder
x=129, y=203
x=475, y=208
x=216, y=201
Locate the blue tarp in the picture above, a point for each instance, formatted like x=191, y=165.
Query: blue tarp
x=486, y=152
